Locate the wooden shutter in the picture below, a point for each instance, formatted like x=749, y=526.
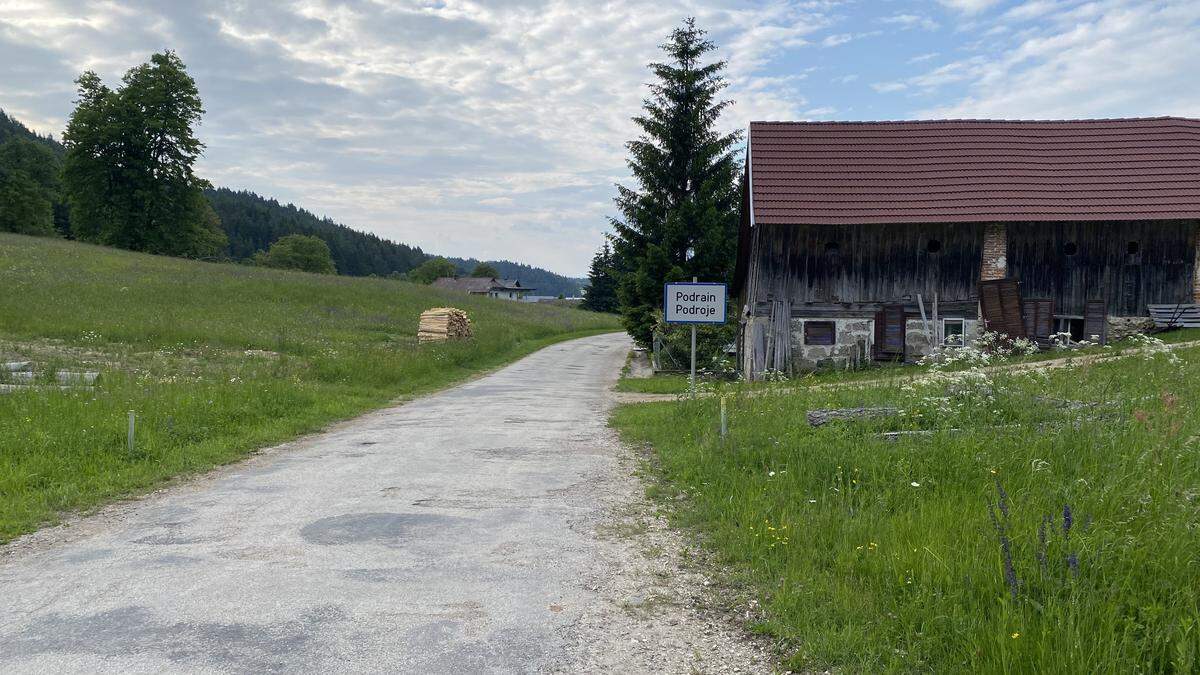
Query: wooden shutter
x=818, y=333
x=890, y=330
x=1039, y=317
x=1095, y=320
x=1000, y=300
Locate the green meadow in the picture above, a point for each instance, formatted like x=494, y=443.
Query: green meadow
x=215, y=360
x=1046, y=521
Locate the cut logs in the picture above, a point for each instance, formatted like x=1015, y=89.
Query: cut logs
x=443, y=323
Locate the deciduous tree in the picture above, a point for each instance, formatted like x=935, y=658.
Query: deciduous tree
x=128, y=171
x=299, y=252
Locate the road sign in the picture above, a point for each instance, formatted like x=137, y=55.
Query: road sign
x=693, y=302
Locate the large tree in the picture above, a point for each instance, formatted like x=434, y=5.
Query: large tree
x=431, y=270
x=680, y=220
x=128, y=171
x=299, y=252
x=485, y=271
x=601, y=293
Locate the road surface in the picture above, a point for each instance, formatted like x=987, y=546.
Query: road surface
x=443, y=535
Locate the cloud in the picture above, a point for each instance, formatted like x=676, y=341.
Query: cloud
x=921, y=58
x=968, y=6
x=468, y=127
x=1114, y=58
x=910, y=21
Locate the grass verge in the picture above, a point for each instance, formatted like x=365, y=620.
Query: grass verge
x=216, y=361
x=1028, y=522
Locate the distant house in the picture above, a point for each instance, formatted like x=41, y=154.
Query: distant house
x=879, y=240
x=505, y=289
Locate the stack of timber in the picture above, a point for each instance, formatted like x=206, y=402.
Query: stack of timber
x=443, y=323
x=1175, y=316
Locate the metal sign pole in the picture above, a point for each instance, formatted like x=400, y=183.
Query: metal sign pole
x=692, y=379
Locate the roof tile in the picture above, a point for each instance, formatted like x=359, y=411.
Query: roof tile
x=975, y=170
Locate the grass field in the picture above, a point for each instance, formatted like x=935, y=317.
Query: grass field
x=216, y=360
x=1044, y=522
x=674, y=383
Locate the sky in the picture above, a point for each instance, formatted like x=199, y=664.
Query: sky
x=497, y=129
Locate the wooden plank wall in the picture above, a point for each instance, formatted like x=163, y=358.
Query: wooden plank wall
x=871, y=264
x=1102, y=268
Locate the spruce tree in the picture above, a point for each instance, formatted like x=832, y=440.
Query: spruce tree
x=680, y=220
x=601, y=293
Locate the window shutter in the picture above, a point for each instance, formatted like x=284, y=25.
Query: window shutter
x=1039, y=318
x=818, y=332
x=890, y=330
x=1000, y=300
x=1095, y=320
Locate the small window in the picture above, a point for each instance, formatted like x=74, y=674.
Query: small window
x=1133, y=248
x=954, y=332
x=819, y=333
x=832, y=248
x=1070, y=248
x=933, y=246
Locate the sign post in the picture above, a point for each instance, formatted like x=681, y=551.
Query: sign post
x=694, y=303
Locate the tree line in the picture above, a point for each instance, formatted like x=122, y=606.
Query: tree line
x=679, y=219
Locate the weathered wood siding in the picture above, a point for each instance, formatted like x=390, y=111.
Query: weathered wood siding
x=872, y=264
x=1102, y=267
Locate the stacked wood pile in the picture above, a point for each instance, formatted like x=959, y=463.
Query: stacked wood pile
x=443, y=323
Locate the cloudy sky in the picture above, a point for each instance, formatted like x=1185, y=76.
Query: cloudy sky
x=495, y=128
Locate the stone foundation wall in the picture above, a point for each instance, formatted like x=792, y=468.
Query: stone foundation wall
x=855, y=340
x=1121, y=327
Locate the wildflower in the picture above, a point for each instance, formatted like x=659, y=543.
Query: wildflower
x=1073, y=563
x=1067, y=520
x=1016, y=635
x=915, y=484
x=771, y=473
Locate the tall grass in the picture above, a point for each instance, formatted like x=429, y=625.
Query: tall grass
x=1023, y=532
x=215, y=360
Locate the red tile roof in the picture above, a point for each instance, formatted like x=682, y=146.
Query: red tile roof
x=974, y=170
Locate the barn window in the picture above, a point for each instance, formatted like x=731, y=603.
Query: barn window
x=819, y=333
x=832, y=248
x=933, y=246
x=954, y=332
x=1070, y=248
x=1133, y=248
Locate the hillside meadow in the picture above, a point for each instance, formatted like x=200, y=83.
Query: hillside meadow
x=215, y=360
x=1043, y=521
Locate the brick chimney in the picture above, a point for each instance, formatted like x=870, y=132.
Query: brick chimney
x=995, y=253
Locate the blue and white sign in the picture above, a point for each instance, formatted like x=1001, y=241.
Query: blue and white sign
x=694, y=302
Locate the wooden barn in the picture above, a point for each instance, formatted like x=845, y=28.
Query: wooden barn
x=878, y=240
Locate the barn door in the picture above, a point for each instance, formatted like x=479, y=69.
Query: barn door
x=1095, y=320
x=1039, y=318
x=1000, y=302
x=890, y=328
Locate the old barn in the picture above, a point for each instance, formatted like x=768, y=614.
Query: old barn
x=877, y=240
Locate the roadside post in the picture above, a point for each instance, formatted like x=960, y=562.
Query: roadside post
x=694, y=302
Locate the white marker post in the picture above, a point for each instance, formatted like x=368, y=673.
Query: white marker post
x=694, y=303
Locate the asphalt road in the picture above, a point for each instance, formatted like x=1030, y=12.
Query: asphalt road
x=449, y=534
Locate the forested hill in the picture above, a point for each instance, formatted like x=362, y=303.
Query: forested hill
x=11, y=128
x=253, y=223
x=543, y=281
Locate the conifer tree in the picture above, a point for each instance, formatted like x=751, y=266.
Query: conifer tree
x=681, y=218
x=601, y=293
